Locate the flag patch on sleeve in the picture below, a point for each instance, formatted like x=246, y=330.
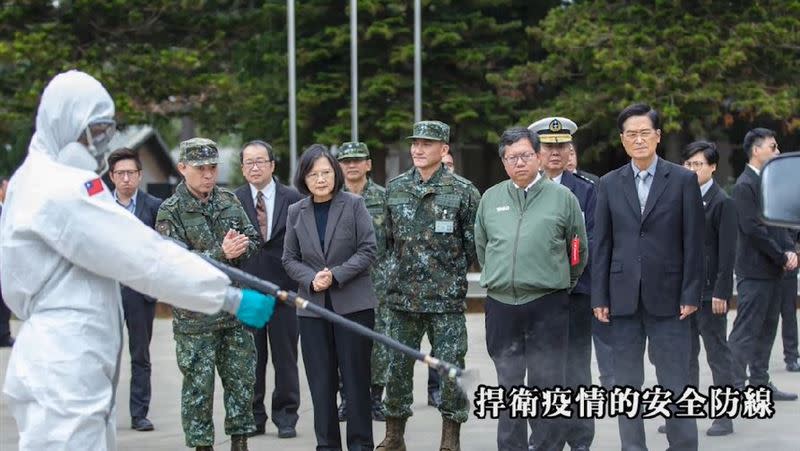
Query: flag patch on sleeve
x=94, y=186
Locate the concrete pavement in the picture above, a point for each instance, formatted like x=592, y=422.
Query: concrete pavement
x=781, y=433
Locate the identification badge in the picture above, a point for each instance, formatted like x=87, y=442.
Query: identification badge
x=444, y=227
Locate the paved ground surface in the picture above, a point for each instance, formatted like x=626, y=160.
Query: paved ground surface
x=781, y=433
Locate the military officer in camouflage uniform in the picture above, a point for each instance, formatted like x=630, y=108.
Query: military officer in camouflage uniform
x=354, y=158
x=430, y=243
x=210, y=220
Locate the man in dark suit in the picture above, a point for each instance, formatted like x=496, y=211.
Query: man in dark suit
x=554, y=146
x=647, y=268
x=763, y=255
x=266, y=201
x=572, y=164
x=711, y=321
x=789, y=311
x=125, y=170
x=6, y=340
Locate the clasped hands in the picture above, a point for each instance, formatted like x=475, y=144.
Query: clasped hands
x=791, y=261
x=234, y=244
x=322, y=280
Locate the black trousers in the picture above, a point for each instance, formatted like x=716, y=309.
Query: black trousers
x=579, y=431
x=5, y=317
x=529, y=338
x=328, y=349
x=754, y=330
x=713, y=329
x=604, y=352
x=281, y=335
x=139, y=315
x=669, y=348
x=789, y=318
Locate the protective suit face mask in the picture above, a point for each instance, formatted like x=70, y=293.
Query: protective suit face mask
x=98, y=145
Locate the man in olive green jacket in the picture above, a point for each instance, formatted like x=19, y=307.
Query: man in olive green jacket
x=531, y=243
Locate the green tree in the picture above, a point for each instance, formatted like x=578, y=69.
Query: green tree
x=706, y=65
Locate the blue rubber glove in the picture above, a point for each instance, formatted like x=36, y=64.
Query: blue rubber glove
x=256, y=309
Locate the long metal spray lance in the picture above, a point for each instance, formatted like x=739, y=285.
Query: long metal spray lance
x=291, y=298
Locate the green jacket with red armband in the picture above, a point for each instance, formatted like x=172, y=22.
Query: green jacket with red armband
x=530, y=244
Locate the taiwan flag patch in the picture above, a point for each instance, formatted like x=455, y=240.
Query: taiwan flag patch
x=94, y=186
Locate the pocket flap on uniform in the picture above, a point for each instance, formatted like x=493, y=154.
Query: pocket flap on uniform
x=448, y=200
x=400, y=200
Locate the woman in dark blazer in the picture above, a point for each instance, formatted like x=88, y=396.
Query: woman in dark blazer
x=328, y=250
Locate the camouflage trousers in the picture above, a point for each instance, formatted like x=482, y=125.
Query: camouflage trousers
x=233, y=352
x=447, y=333
x=380, y=354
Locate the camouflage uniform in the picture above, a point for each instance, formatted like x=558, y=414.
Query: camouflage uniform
x=430, y=247
x=203, y=341
x=375, y=198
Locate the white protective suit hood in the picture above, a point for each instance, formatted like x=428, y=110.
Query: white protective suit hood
x=65, y=246
x=70, y=103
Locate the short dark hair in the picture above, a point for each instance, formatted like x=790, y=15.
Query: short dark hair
x=638, y=109
x=754, y=138
x=257, y=142
x=123, y=153
x=514, y=134
x=313, y=153
x=708, y=149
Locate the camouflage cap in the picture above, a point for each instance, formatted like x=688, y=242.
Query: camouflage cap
x=433, y=130
x=352, y=150
x=554, y=130
x=199, y=152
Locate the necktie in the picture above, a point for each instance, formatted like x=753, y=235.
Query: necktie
x=261, y=214
x=641, y=189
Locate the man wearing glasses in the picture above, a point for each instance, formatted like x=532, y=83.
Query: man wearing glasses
x=554, y=147
x=266, y=202
x=524, y=230
x=647, y=269
x=125, y=169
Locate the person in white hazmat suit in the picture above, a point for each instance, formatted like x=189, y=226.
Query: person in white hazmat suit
x=64, y=248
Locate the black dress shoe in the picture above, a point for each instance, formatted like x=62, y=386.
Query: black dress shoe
x=793, y=367
x=141, y=424
x=720, y=427
x=260, y=430
x=287, y=432
x=580, y=448
x=7, y=342
x=778, y=395
x=662, y=429
x=435, y=398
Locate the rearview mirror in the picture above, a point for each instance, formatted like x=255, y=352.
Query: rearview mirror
x=780, y=191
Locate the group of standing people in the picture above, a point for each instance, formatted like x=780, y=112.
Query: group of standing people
x=639, y=260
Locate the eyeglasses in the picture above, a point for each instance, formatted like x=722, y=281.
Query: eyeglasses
x=694, y=164
x=525, y=157
x=319, y=175
x=645, y=134
x=260, y=162
x=123, y=174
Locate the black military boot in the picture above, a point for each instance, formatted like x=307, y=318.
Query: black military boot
x=377, y=403
x=395, y=432
x=204, y=448
x=451, y=435
x=239, y=443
